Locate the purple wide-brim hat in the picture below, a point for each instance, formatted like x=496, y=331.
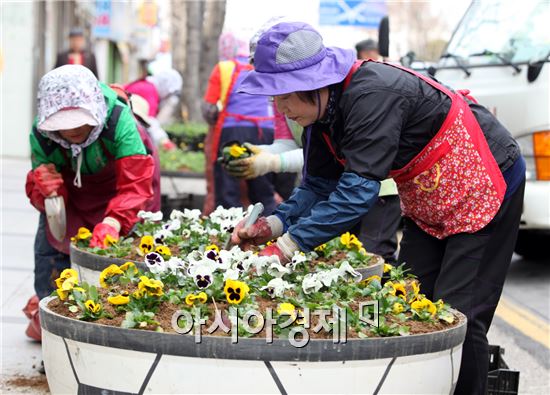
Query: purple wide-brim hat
x=291, y=57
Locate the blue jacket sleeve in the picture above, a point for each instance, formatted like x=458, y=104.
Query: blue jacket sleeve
x=328, y=218
x=303, y=198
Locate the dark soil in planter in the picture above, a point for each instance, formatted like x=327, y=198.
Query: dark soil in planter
x=166, y=310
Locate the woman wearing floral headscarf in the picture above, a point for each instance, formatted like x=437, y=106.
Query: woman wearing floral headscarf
x=86, y=148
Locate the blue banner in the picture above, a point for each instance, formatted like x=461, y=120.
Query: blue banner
x=103, y=16
x=363, y=13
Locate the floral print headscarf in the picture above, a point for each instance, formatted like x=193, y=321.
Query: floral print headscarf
x=71, y=86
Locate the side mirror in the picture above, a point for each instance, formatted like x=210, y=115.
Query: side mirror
x=384, y=37
x=533, y=70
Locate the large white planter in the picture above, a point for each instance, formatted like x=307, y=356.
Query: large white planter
x=87, y=358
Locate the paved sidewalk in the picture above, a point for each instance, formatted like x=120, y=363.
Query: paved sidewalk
x=20, y=356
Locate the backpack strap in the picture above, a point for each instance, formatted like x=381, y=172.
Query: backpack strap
x=352, y=71
x=110, y=127
x=48, y=146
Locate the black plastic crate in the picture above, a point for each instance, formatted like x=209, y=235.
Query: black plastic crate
x=501, y=380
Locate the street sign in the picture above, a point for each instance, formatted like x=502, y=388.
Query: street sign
x=362, y=13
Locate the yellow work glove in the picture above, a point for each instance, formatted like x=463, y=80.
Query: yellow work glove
x=260, y=163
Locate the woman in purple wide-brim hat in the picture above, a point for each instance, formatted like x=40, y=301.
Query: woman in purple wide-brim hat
x=460, y=174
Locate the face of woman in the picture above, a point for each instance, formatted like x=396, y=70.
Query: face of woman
x=302, y=112
x=76, y=135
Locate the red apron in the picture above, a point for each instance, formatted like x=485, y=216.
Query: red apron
x=216, y=136
x=454, y=184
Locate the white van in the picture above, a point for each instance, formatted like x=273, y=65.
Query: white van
x=500, y=52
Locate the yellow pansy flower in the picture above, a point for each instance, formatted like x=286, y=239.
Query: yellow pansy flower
x=66, y=274
x=146, y=244
x=236, y=151
x=151, y=286
x=139, y=293
x=108, y=273
x=92, y=307
x=397, y=308
x=235, y=291
x=62, y=295
x=321, y=248
x=287, y=309
x=120, y=299
x=397, y=289
x=192, y=298
x=368, y=280
x=83, y=233
x=212, y=247
x=129, y=266
x=387, y=267
x=350, y=241
x=163, y=250
x=416, y=291
x=109, y=240
x=424, y=305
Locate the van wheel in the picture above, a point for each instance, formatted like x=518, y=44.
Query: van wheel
x=532, y=244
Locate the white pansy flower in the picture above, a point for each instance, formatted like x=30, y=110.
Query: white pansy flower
x=277, y=287
x=149, y=216
x=329, y=277
x=197, y=228
x=192, y=215
x=213, y=232
x=176, y=214
x=299, y=257
x=186, y=233
x=261, y=263
x=202, y=273
x=176, y=265
x=275, y=269
x=161, y=235
x=172, y=225
x=155, y=263
x=311, y=283
x=231, y=274
x=346, y=270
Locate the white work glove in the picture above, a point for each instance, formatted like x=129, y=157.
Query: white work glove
x=284, y=248
x=260, y=163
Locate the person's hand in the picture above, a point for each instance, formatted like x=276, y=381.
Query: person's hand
x=260, y=163
x=262, y=231
x=47, y=179
x=274, y=250
x=284, y=248
x=168, y=145
x=105, y=233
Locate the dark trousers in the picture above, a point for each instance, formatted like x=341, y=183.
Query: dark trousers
x=468, y=272
x=284, y=184
x=48, y=262
x=378, y=231
x=228, y=188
